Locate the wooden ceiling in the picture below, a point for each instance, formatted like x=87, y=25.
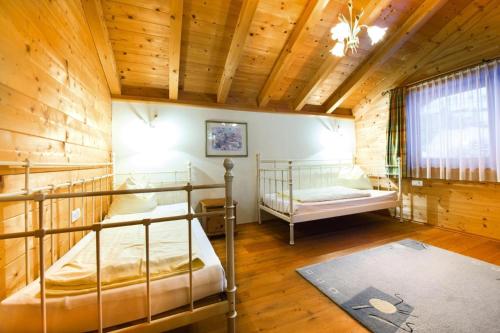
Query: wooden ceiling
x=274, y=55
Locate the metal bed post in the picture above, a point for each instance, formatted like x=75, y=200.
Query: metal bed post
x=83, y=203
x=26, y=220
x=69, y=212
x=231, y=285
x=97, y=228
x=147, y=223
x=290, y=204
x=189, y=188
x=259, y=217
x=52, y=236
x=93, y=200
x=400, y=188
x=100, y=198
x=40, y=234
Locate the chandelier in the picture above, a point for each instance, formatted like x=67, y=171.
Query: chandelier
x=346, y=33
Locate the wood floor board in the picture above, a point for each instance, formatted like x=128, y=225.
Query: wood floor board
x=272, y=297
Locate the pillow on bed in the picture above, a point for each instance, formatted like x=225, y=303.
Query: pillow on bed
x=354, y=178
x=132, y=203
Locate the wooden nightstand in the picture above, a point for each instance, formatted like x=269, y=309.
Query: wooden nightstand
x=214, y=225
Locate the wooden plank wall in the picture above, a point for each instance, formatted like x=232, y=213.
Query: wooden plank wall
x=55, y=107
x=468, y=207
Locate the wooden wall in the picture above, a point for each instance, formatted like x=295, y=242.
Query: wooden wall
x=468, y=207
x=55, y=107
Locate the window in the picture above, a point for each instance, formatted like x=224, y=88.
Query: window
x=453, y=124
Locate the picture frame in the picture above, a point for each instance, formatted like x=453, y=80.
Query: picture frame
x=226, y=139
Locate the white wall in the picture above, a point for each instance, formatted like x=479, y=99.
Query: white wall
x=178, y=136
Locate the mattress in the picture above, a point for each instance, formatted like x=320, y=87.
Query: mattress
x=21, y=311
x=305, y=211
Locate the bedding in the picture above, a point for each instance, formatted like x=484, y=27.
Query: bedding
x=325, y=194
x=300, y=209
x=78, y=313
x=132, y=203
x=123, y=257
x=353, y=177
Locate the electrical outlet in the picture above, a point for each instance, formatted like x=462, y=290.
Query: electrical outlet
x=75, y=215
x=417, y=182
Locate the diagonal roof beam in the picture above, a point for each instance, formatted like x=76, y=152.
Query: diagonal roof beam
x=371, y=12
x=468, y=16
x=309, y=17
x=245, y=18
x=174, y=48
x=95, y=20
x=424, y=12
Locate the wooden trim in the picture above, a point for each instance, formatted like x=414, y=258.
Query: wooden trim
x=419, y=17
x=235, y=52
x=310, y=16
x=99, y=32
x=371, y=12
x=452, y=72
x=174, y=47
x=232, y=107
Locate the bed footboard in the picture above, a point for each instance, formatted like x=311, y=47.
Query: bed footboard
x=151, y=324
x=278, y=179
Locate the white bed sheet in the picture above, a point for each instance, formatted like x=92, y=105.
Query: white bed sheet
x=21, y=311
x=314, y=210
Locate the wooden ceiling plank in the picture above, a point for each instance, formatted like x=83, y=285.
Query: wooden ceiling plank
x=309, y=17
x=97, y=25
x=372, y=12
x=236, y=47
x=174, y=48
x=416, y=20
x=469, y=17
x=201, y=100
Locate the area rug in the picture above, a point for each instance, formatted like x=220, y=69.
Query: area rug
x=409, y=286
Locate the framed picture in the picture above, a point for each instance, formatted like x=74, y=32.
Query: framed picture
x=226, y=139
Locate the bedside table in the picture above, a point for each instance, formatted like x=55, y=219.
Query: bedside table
x=214, y=225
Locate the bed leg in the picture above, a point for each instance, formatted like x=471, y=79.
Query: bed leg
x=231, y=324
x=259, y=215
x=292, y=236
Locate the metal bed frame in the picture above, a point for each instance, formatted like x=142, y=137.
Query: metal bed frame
x=149, y=324
x=275, y=176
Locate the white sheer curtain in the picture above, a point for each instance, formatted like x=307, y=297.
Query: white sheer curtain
x=453, y=126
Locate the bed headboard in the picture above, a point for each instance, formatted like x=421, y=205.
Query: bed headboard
x=160, y=179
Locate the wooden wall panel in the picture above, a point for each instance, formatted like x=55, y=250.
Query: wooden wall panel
x=468, y=207
x=55, y=107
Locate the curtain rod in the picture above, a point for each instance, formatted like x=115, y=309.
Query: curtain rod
x=455, y=70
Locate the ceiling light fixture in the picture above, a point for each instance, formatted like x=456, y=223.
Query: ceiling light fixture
x=346, y=33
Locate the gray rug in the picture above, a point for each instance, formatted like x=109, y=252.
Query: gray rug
x=408, y=286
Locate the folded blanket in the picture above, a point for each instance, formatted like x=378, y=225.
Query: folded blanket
x=326, y=194
x=123, y=259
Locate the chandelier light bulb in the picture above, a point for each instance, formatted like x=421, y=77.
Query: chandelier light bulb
x=376, y=33
x=340, y=31
x=346, y=33
x=338, y=49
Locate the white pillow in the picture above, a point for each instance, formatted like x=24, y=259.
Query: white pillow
x=132, y=203
x=353, y=177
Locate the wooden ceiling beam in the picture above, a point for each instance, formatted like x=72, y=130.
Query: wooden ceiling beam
x=97, y=25
x=371, y=13
x=395, y=40
x=236, y=47
x=208, y=102
x=174, y=47
x=468, y=17
x=309, y=17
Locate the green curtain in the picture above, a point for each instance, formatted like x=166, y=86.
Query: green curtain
x=396, y=130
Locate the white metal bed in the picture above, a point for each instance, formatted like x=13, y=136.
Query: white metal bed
x=181, y=316
x=286, y=176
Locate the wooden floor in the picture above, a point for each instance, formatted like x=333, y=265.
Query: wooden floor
x=272, y=297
